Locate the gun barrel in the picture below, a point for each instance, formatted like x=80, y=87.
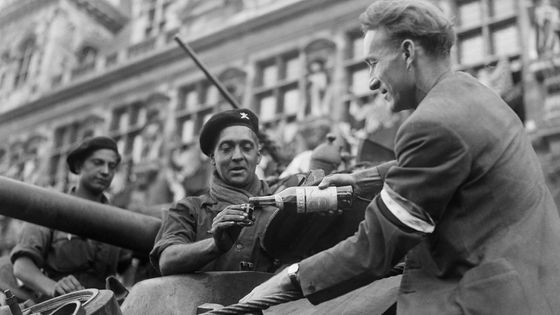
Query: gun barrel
x=78, y=216
x=208, y=74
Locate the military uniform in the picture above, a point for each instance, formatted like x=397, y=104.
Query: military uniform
x=190, y=220
x=59, y=254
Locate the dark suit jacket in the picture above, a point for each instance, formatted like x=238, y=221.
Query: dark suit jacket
x=466, y=202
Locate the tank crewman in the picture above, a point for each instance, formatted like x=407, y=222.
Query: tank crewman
x=52, y=262
x=212, y=232
x=465, y=200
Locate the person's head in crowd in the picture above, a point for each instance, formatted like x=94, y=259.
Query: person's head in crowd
x=326, y=156
x=95, y=161
x=406, y=44
x=230, y=139
x=313, y=131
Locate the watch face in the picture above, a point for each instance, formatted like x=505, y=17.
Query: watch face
x=292, y=274
x=293, y=269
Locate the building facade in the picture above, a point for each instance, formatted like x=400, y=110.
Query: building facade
x=70, y=69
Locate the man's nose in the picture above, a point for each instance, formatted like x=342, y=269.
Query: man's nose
x=237, y=153
x=374, y=84
x=105, y=169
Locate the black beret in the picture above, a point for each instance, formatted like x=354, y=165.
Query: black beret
x=218, y=122
x=87, y=147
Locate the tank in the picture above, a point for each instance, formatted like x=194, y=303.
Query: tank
x=185, y=294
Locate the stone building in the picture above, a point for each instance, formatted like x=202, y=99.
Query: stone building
x=70, y=69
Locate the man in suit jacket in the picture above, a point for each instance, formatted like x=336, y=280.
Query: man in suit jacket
x=465, y=200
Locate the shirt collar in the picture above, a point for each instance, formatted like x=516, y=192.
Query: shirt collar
x=104, y=199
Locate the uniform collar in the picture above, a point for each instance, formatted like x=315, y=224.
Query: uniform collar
x=104, y=199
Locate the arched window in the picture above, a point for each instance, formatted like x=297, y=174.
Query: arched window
x=26, y=51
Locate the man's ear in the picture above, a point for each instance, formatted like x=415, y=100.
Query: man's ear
x=212, y=160
x=408, y=48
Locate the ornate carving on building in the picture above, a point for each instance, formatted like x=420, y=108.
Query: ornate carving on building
x=319, y=61
x=547, y=25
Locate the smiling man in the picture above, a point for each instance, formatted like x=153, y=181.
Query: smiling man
x=465, y=201
x=52, y=262
x=212, y=232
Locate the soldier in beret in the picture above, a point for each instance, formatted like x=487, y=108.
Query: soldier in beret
x=52, y=262
x=212, y=232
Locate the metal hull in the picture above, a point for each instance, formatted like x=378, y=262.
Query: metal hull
x=183, y=294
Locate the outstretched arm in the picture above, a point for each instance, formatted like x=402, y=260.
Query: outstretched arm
x=432, y=162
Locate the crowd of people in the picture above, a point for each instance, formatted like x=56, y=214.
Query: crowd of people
x=464, y=204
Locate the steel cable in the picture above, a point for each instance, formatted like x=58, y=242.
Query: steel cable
x=258, y=305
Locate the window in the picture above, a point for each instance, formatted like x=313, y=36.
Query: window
x=156, y=16
x=356, y=70
x=293, y=68
x=506, y=41
x=469, y=13
x=65, y=137
x=499, y=8
x=2, y=78
x=488, y=29
x=126, y=128
x=471, y=49
x=269, y=75
x=267, y=106
x=24, y=61
x=197, y=102
x=277, y=90
x=291, y=100
x=359, y=76
x=3, y=159
x=491, y=46
x=356, y=46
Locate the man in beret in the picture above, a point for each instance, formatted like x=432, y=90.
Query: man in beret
x=212, y=232
x=52, y=262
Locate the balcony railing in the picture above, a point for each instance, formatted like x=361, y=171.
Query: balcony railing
x=111, y=59
x=141, y=48
x=83, y=69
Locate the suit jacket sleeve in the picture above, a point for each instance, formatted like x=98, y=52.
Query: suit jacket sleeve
x=432, y=162
x=368, y=180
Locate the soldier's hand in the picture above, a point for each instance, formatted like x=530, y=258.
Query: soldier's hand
x=66, y=285
x=337, y=180
x=227, y=225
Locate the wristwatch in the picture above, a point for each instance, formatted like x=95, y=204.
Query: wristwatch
x=293, y=275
